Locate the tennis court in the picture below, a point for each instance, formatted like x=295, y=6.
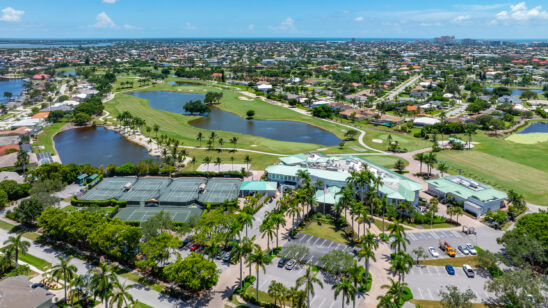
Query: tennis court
x=178, y=214
x=219, y=190
x=181, y=191
x=108, y=188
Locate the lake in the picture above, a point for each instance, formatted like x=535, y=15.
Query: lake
x=536, y=127
x=184, y=83
x=221, y=120
x=517, y=92
x=15, y=86
x=69, y=73
x=97, y=146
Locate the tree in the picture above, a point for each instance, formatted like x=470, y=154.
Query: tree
x=516, y=200
x=17, y=245
x=453, y=298
x=277, y=291
x=397, y=233
x=260, y=259
x=3, y=199
x=296, y=251
x=22, y=159
x=121, y=297
x=156, y=250
x=200, y=137
x=241, y=250
x=103, y=281
x=394, y=297
x=64, y=270
x=81, y=118
x=421, y=158
x=345, y=287
x=194, y=273
x=368, y=245
x=518, y=288
x=336, y=261
x=159, y=221
x=156, y=128
x=234, y=141
x=419, y=253
x=355, y=274
x=308, y=280
x=442, y=167
x=399, y=165
x=248, y=160
x=401, y=264
x=250, y=114
x=29, y=210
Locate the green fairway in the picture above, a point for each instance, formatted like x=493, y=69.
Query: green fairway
x=502, y=172
x=176, y=125
x=385, y=161
x=45, y=138
x=532, y=138
x=405, y=141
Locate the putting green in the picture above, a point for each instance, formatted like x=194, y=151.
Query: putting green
x=531, y=138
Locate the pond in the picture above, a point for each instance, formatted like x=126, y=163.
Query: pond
x=97, y=146
x=69, y=73
x=517, y=92
x=14, y=86
x=536, y=127
x=219, y=119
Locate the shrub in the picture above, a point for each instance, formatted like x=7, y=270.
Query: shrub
x=100, y=203
x=248, y=280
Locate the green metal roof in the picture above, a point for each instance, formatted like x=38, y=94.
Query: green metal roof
x=294, y=159
x=258, y=186
x=319, y=173
x=82, y=176
x=445, y=185
x=331, y=197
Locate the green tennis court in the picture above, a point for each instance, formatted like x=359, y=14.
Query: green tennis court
x=178, y=214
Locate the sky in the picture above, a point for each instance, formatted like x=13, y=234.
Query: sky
x=41, y=19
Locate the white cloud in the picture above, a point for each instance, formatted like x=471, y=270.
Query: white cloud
x=130, y=27
x=519, y=12
x=11, y=15
x=287, y=25
x=251, y=27
x=109, y=1
x=461, y=18
x=189, y=26
x=360, y=18
x=103, y=21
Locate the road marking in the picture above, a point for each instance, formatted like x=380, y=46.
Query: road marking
x=420, y=291
x=444, y=234
x=424, y=235
x=487, y=296
x=412, y=236
x=331, y=244
x=430, y=292
x=477, y=295
x=434, y=235
x=320, y=243
x=455, y=233
x=333, y=303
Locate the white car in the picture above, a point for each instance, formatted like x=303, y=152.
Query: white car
x=468, y=271
x=464, y=250
x=471, y=249
x=433, y=252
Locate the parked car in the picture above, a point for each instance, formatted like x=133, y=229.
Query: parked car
x=220, y=255
x=185, y=243
x=433, y=252
x=468, y=270
x=282, y=262
x=39, y=285
x=290, y=265
x=472, y=250
x=227, y=257
x=450, y=270
x=464, y=249
x=194, y=247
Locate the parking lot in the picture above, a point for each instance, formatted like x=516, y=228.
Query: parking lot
x=426, y=281
x=486, y=239
x=323, y=298
x=317, y=247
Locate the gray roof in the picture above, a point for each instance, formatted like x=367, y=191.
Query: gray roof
x=16, y=292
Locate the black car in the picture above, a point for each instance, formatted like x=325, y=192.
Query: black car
x=282, y=261
x=39, y=285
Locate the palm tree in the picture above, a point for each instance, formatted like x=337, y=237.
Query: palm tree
x=156, y=128
x=246, y=220
x=240, y=251
x=103, y=281
x=212, y=137
x=260, y=259
x=397, y=232
x=344, y=286
x=207, y=160
x=401, y=264
x=22, y=159
x=383, y=205
x=232, y=161
x=221, y=142
x=394, y=295
x=277, y=291
x=278, y=219
x=442, y=167
x=420, y=157
x=368, y=245
x=234, y=140
x=120, y=296
x=354, y=273
x=247, y=160
x=65, y=270
x=267, y=229
x=294, y=210
x=81, y=288
x=308, y=280
x=17, y=245
x=218, y=163
x=200, y=137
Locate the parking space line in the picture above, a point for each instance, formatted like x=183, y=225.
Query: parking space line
x=487, y=296
x=434, y=235
x=420, y=291
x=412, y=236
x=333, y=304
x=331, y=244
x=455, y=233
x=424, y=235
x=430, y=292
x=319, y=243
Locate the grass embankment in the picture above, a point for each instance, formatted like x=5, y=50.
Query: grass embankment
x=437, y=304
x=138, y=279
x=39, y=263
x=456, y=262
x=45, y=138
x=326, y=231
x=504, y=165
x=177, y=126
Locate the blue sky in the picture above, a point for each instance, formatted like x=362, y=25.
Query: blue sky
x=281, y=18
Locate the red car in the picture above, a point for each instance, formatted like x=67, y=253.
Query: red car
x=194, y=247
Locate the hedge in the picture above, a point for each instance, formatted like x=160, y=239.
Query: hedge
x=100, y=203
x=248, y=280
x=231, y=174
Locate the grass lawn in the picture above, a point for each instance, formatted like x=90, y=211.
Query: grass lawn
x=264, y=298
x=258, y=161
x=176, y=125
x=40, y=264
x=378, y=224
x=138, y=279
x=33, y=236
x=385, y=161
x=456, y=262
x=326, y=231
x=405, y=141
x=45, y=138
x=141, y=305
x=436, y=304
